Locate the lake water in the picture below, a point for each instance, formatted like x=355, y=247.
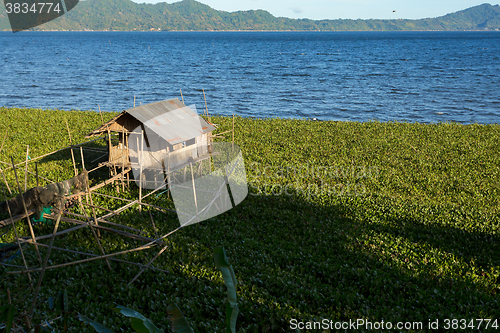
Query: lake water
x=359, y=76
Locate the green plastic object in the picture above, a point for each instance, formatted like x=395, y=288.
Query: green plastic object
x=46, y=210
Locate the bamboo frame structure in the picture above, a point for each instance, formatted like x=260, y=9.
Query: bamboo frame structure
x=99, y=224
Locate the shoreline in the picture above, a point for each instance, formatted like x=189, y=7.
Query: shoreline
x=252, y=118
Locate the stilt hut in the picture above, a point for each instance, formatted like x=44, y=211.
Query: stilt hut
x=158, y=133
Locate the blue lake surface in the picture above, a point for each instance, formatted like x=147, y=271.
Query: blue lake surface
x=358, y=76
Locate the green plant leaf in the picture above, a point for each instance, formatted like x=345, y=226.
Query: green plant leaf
x=97, y=326
x=179, y=322
x=139, y=323
x=222, y=263
x=7, y=316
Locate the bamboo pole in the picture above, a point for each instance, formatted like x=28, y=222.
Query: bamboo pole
x=102, y=221
x=26, y=169
x=194, y=189
x=100, y=150
x=71, y=142
x=4, y=138
x=123, y=159
x=36, y=171
x=153, y=223
x=143, y=247
x=5, y=180
x=161, y=209
x=74, y=163
x=83, y=160
x=102, y=120
x=50, y=181
x=17, y=236
x=48, y=154
x=168, y=174
x=233, y=132
x=115, y=231
x=140, y=173
x=148, y=264
x=83, y=168
x=116, y=173
x=108, y=181
x=182, y=97
x=83, y=225
x=93, y=231
x=16, y=218
x=99, y=158
x=26, y=210
x=134, y=101
x=44, y=267
x=96, y=255
x=128, y=150
x=132, y=203
x=224, y=132
x=146, y=246
x=206, y=107
x=98, y=207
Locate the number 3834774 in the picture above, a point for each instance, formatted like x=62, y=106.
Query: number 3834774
x=32, y=8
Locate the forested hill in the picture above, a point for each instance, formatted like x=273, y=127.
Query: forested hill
x=126, y=15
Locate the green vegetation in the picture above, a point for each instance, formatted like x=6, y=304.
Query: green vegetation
x=186, y=15
x=345, y=220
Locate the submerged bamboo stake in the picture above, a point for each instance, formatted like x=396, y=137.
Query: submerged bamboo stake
x=26, y=169
x=26, y=211
x=17, y=236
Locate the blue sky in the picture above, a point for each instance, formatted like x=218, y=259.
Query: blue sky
x=353, y=9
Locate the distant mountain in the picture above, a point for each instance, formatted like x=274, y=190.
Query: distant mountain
x=125, y=15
